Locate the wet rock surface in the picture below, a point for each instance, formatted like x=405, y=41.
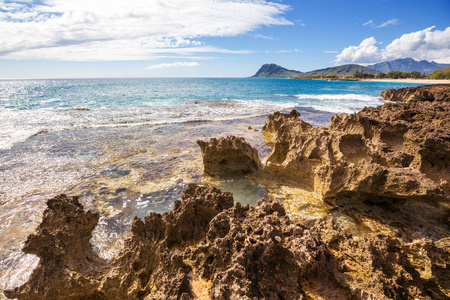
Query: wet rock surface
x=229, y=156
x=435, y=92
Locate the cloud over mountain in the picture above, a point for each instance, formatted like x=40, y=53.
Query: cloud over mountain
x=426, y=44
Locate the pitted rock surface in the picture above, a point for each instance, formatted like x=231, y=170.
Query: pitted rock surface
x=435, y=92
x=395, y=150
x=229, y=156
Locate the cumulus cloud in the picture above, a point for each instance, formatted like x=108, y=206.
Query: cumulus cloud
x=120, y=30
x=366, y=52
x=175, y=64
x=387, y=23
x=428, y=44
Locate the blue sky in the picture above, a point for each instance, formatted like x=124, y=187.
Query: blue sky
x=213, y=38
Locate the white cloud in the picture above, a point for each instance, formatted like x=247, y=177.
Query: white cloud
x=370, y=22
x=424, y=44
x=261, y=36
x=387, y=23
x=175, y=64
x=330, y=51
x=120, y=30
x=364, y=53
x=287, y=51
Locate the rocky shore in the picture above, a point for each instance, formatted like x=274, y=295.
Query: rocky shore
x=384, y=174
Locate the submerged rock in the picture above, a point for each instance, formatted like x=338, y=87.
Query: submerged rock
x=435, y=92
x=229, y=156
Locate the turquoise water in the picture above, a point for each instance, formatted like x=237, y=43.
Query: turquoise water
x=28, y=107
x=128, y=147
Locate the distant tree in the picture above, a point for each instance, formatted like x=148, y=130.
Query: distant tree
x=416, y=74
x=362, y=75
x=381, y=75
x=406, y=75
x=393, y=74
x=438, y=74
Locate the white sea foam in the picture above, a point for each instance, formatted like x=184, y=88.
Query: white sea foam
x=339, y=97
x=19, y=125
x=331, y=108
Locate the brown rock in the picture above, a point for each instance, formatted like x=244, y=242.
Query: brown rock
x=396, y=150
x=383, y=267
x=208, y=246
x=229, y=156
x=253, y=252
x=68, y=265
x=435, y=92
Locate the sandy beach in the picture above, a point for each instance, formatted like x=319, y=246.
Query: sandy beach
x=424, y=81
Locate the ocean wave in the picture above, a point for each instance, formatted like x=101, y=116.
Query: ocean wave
x=339, y=97
x=337, y=109
x=19, y=125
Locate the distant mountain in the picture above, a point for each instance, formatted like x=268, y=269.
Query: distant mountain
x=408, y=65
x=341, y=71
x=276, y=71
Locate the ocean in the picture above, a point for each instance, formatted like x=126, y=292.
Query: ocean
x=128, y=147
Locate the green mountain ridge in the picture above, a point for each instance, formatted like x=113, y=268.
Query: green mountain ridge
x=341, y=71
x=276, y=71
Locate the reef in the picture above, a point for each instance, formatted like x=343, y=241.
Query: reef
x=383, y=171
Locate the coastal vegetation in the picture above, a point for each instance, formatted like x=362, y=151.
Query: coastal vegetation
x=441, y=74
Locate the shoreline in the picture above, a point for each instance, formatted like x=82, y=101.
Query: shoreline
x=408, y=80
x=301, y=207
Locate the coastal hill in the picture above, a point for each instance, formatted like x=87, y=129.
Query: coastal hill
x=276, y=71
x=404, y=65
x=408, y=65
x=341, y=71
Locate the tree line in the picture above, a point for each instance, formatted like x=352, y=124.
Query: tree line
x=392, y=75
x=439, y=74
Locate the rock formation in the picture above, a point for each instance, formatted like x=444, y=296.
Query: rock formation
x=68, y=265
x=397, y=151
x=207, y=247
x=229, y=156
x=383, y=267
x=435, y=92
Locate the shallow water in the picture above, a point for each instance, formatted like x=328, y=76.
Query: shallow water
x=127, y=147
